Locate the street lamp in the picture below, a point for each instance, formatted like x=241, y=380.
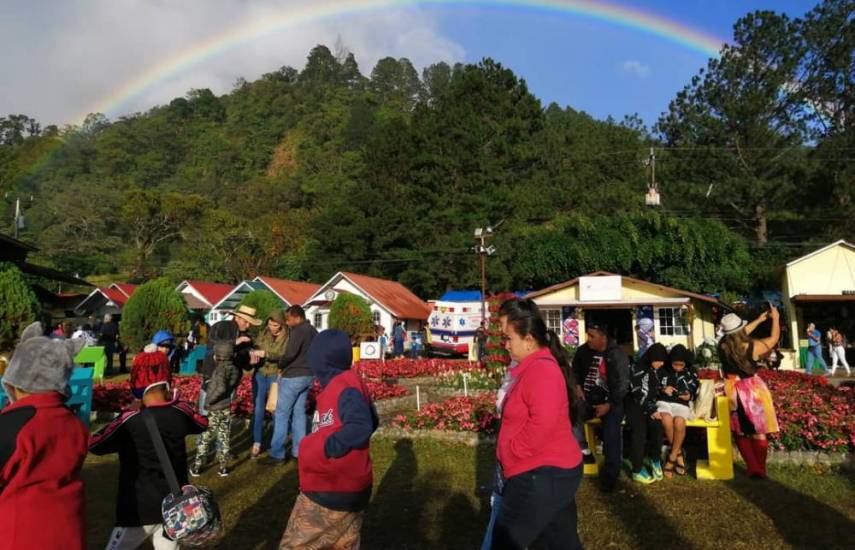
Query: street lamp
x=483, y=250
x=18, y=222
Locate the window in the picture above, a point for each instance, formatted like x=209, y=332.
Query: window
x=376, y=316
x=553, y=320
x=671, y=322
x=319, y=320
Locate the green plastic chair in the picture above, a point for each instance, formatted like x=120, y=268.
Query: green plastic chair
x=93, y=355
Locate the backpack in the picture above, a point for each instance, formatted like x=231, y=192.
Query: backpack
x=190, y=514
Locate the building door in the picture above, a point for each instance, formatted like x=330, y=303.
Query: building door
x=618, y=322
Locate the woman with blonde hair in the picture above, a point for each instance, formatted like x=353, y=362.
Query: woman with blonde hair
x=752, y=414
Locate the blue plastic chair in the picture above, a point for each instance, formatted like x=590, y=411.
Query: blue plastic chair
x=81, y=393
x=188, y=364
x=3, y=399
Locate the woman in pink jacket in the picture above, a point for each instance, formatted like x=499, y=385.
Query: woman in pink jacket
x=540, y=464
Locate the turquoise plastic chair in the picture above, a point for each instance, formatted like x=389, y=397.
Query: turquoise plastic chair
x=188, y=364
x=3, y=399
x=81, y=393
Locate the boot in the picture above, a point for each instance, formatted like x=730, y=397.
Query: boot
x=761, y=450
x=746, y=449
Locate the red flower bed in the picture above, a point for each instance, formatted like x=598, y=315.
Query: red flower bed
x=382, y=390
x=410, y=368
x=459, y=414
x=812, y=414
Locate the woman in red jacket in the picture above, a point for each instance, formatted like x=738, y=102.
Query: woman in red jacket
x=540, y=463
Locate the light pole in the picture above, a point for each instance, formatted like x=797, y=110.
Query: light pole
x=18, y=221
x=483, y=250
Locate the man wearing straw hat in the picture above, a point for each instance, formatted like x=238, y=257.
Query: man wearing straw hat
x=231, y=352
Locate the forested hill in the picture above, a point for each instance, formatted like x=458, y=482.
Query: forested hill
x=303, y=173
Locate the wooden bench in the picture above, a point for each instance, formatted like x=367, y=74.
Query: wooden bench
x=719, y=465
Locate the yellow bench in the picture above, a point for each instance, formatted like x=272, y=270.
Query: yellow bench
x=719, y=465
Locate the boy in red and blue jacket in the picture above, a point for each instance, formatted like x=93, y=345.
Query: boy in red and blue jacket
x=42, y=448
x=335, y=462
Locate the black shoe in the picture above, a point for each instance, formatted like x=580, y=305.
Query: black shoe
x=589, y=458
x=271, y=461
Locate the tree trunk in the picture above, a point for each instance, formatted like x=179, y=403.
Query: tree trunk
x=761, y=231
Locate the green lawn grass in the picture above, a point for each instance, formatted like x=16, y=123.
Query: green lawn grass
x=430, y=494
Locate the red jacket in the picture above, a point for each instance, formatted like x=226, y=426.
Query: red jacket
x=535, y=428
x=350, y=473
x=42, y=449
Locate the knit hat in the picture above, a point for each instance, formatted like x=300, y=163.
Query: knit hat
x=40, y=364
x=679, y=353
x=149, y=369
x=656, y=352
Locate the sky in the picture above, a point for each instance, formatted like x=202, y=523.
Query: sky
x=63, y=59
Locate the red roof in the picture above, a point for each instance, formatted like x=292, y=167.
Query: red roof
x=293, y=292
x=392, y=295
x=211, y=292
x=125, y=288
x=114, y=295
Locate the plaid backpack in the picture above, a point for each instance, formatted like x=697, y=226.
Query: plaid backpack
x=190, y=514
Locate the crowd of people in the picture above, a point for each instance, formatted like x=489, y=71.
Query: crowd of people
x=543, y=403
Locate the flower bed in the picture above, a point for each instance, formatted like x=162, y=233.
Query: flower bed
x=812, y=414
x=460, y=414
x=116, y=396
x=477, y=379
x=411, y=368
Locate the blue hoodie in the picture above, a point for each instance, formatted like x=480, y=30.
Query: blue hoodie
x=331, y=354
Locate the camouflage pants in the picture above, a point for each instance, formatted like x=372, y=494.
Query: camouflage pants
x=313, y=527
x=219, y=428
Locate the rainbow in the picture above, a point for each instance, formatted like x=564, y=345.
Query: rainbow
x=315, y=10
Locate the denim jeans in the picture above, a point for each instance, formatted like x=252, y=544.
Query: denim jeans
x=260, y=388
x=495, y=505
x=290, y=415
x=538, y=511
x=814, y=354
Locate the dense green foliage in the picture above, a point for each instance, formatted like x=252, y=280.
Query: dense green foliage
x=263, y=301
x=300, y=174
x=351, y=314
x=154, y=306
x=18, y=305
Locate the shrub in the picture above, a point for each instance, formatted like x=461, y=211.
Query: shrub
x=263, y=301
x=352, y=315
x=18, y=305
x=154, y=306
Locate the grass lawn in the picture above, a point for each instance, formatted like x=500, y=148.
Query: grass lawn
x=434, y=495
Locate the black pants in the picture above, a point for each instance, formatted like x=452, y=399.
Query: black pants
x=109, y=350
x=612, y=440
x=538, y=510
x=646, y=437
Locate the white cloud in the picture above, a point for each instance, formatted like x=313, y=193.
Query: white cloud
x=63, y=58
x=635, y=68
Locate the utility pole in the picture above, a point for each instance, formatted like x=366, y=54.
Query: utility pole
x=483, y=250
x=652, y=197
x=18, y=221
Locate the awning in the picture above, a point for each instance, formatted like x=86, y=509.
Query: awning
x=814, y=298
x=52, y=274
x=617, y=304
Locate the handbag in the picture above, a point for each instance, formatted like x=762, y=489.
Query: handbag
x=272, y=395
x=190, y=514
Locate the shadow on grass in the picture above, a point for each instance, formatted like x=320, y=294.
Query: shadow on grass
x=801, y=520
x=261, y=524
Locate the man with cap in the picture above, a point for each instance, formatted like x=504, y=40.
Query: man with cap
x=42, y=448
x=335, y=462
x=142, y=482
x=601, y=374
x=231, y=348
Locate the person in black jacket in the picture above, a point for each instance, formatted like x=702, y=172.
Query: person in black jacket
x=601, y=373
x=643, y=416
x=294, y=382
x=678, y=388
x=231, y=346
x=142, y=481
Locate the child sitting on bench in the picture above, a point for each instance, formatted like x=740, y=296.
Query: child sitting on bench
x=678, y=388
